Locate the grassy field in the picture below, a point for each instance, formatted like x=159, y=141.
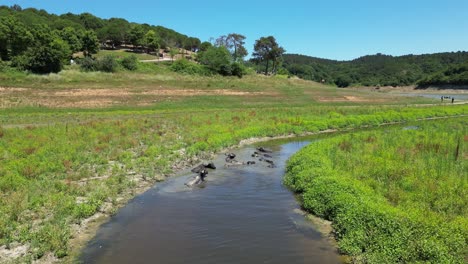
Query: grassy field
x=156, y=86
x=394, y=195
x=73, y=144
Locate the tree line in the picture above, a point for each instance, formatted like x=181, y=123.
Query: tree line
x=383, y=70
x=35, y=40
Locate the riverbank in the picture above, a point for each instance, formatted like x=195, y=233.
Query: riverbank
x=395, y=196
x=89, y=226
x=125, y=166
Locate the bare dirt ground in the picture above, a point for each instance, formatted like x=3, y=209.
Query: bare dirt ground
x=87, y=98
x=350, y=99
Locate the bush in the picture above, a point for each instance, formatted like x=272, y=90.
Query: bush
x=44, y=59
x=343, y=81
x=225, y=70
x=187, y=67
x=216, y=59
x=3, y=65
x=108, y=63
x=130, y=62
x=88, y=64
x=238, y=69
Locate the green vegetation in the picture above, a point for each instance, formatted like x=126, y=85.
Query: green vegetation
x=382, y=70
x=77, y=139
x=37, y=41
x=454, y=75
x=234, y=43
x=267, y=50
x=42, y=43
x=218, y=59
x=393, y=195
x=53, y=176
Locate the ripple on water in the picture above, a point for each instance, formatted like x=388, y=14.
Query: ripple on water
x=240, y=215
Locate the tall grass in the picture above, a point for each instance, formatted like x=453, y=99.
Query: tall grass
x=54, y=175
x=393, y=195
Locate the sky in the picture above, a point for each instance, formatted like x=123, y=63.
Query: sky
x=332, y=29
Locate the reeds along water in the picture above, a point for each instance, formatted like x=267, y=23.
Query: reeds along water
x=391, y=187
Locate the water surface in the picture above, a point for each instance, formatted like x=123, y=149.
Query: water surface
x=239, y=215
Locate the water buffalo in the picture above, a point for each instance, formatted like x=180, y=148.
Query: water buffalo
x=264, y=150
x=202, y=166
x=197, y=179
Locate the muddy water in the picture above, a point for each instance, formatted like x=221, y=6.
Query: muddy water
x=239, y=215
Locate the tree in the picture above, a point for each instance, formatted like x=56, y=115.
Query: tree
x=343, y=81
x=151, y=41
x=72, y=37
x=14, y=37
x=192, y=44
x=173, y=52
x=115, y=31
x=136, y=36
x=235, y=44
x=205, y=46
x=45, y=58
x=90, y=22
x=217, y=59
x=266, y=50
x=16, y=7
x=90, y=43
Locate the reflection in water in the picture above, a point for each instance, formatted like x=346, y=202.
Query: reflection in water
x=239, y=215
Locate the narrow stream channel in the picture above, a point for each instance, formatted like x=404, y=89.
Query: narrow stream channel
x=240, y=214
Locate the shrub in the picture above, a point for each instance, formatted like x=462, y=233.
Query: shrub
x=130, y=62
x=88, y=64
x=108, y=63
x=187, y=67
x=44, y=59
x=216, y=59
x=343, y=81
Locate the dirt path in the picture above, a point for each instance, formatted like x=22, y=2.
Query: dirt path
x=158, y=60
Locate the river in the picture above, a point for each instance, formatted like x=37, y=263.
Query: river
x=240, y=214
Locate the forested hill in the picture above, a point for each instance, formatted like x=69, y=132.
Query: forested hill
x=449, y=68
x=40, y=42
x=114, y=31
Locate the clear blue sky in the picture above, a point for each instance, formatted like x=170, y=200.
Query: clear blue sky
x=334, y=29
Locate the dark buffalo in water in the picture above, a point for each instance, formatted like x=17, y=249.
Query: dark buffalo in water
x=264, y=150
x=203, y=166
x=198, y=179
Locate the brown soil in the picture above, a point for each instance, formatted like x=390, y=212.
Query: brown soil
x=349, y=99
x=86, y=98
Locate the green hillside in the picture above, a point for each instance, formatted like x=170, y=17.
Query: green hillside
x=383, y=70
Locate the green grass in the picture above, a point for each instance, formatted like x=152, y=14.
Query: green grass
x=393, y=195
x=125, y=53
x=141, y=89
x=61, y=162
x=46, y=169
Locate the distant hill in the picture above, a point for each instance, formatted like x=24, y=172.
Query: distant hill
x=450, y=68
x=113, y=31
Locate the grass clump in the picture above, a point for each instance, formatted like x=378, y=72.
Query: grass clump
x=393, y=195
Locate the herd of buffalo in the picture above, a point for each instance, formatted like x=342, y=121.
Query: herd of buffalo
x=202, y=170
